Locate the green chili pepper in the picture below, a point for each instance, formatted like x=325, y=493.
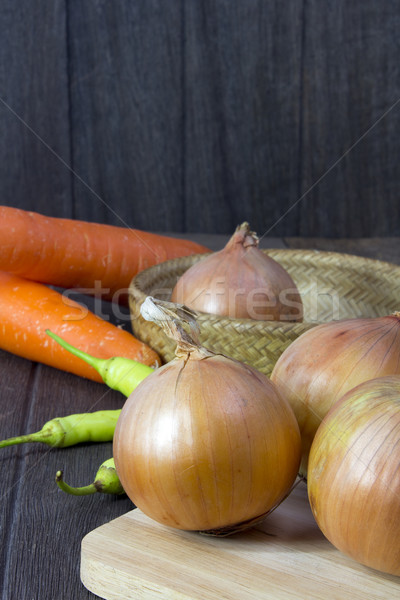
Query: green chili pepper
x=121, y=374
x=73, y=429
x=106, y=482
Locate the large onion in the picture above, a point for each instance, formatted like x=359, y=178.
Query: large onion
x=354, y=474
x=330, y=359
x=205, y=442
x=240, y=281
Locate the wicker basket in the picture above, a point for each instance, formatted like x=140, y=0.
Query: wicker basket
x=332, y=286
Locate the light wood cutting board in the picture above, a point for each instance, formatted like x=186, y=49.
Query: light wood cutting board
x=284, y=558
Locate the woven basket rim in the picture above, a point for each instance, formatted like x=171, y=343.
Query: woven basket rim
x=353, y=260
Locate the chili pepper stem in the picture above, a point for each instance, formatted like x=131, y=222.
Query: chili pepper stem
x=67, y=431
x=39, y=436
x=119, y=373
x=106, y=482
x=53, y=433
x=96, y=363
x=75, y=491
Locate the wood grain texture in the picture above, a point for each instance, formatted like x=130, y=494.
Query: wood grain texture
x=46, y=525
x=194, y=116
x=125, y=66
x=285, y=557
x=242, y=113
x=34, y=108
x=17, y=377
x=215, y=242
x=350, y=120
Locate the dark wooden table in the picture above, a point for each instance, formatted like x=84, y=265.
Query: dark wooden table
x=41, y=527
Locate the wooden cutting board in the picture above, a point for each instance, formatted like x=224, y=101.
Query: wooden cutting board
x=284, y=558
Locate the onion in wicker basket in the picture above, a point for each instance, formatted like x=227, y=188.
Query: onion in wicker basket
x=240, y=281
x=332, y=286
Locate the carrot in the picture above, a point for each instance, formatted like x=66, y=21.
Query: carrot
x=28, y=309
x=71, y=253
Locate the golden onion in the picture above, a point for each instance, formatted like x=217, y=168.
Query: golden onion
x=354, y=474
x=330, y=359
x=240, y=281
x=205, y=442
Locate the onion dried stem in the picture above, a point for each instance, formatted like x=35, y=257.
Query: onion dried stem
x=169, y=316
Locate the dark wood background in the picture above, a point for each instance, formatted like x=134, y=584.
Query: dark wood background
x=194, y=115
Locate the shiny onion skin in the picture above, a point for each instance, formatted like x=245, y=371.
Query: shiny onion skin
x=354, y=474
x=240, y=281
x=206, y=443
x=330, y=359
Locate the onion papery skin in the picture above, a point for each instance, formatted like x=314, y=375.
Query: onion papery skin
x=240, y=281
x=354, y=474
x=321, y=365
x=206, y=444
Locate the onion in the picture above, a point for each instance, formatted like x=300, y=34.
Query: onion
x=204, y=443
x=354, y=474
x=240, y=281
x=330, y=359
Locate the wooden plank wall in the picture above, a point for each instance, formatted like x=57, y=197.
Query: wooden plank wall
x=194, y=115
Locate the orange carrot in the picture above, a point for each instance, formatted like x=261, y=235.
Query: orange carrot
x=28, y=308
x=69, y=253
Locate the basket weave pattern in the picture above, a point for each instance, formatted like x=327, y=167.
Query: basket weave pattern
x=332, y=286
